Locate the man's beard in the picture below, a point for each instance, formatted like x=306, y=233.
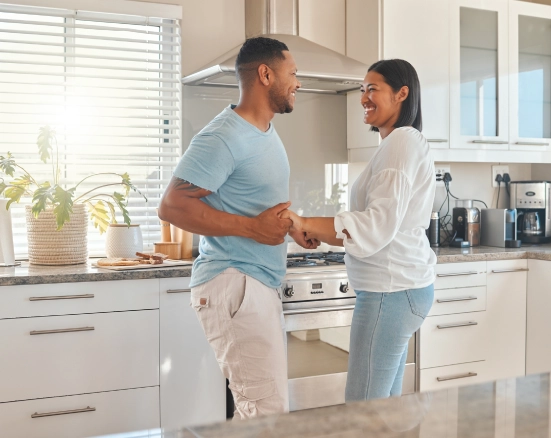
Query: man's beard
x=280, y=103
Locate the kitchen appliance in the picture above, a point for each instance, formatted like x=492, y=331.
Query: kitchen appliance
x=321, y=70
x=466, y=224
x=433, y=231
x=317, y=305
x=531, y=199
x=498, y=227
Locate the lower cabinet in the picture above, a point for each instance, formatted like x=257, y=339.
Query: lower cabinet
x=193, y=389
x=82, y=415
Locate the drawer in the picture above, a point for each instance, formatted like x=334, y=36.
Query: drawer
x=453, y=339
x=101, y=352
x=75, y=298
x=454, y=275
x=96, y=414
x=450, y=376
x=460, y=300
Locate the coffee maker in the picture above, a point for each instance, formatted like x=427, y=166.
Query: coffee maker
x=466, y=222
x=531, y=199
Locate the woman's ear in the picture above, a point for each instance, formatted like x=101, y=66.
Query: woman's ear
x=402, y=94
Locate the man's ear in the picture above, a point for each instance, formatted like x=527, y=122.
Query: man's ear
x=402, y=94
x=264, y=74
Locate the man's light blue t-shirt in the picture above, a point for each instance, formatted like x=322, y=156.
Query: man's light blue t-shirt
x=247, y=171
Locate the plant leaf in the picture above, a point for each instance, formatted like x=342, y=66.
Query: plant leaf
x=113, y=213
x=99, y=215
x=7, y=164
x=17, y=189
x=2, y=187
x=128, y=185
x=42, y=195
x=63, y=200
x=44, y=142
x=121, y=202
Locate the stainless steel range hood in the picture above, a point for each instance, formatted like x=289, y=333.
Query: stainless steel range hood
x=320, y=70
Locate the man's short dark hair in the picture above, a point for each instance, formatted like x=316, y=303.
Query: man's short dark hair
x=256, y=51
x=398, y=73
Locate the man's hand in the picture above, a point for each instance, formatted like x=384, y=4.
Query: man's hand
x=297, y=233
x=269, y=227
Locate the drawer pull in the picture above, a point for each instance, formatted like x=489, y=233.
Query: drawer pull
x=451, y=300
x=72, y=411
x=437, y=140
x=501, y=271
x=461, y=324
x=61, y=297
x=177, y=291
x=67, y=330
x=455, y=274
x=532, y=143
x=457, y=376
x=490, y=142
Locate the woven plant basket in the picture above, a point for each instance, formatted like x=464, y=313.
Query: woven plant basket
x=47, y=246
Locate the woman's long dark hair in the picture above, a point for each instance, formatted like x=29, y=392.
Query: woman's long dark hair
x=398, y=73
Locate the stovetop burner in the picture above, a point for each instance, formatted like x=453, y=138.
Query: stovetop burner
x=315, y=259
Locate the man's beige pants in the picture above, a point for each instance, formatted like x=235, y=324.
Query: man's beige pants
x=243, y=321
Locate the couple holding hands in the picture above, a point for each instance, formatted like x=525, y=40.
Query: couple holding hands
x=225, y=188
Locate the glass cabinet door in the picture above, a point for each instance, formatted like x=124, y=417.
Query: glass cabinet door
x=479, y=75
x=530, y=66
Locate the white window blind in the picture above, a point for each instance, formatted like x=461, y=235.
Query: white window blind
x=109, y=84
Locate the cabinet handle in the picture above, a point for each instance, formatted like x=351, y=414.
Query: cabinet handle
x=532, y=143
x=491, y=141
x=317, y=310
x=437, y=140
x=451, y=300
x=455, y=274
x=61, y=297
x=72, y=411
x=501, y=271
x=177, y=291
x=67, y=330
x=457, y=376
x=461, y=324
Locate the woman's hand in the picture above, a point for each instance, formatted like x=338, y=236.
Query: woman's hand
x=297, y=232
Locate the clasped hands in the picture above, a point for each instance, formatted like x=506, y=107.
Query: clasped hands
x=273, y=224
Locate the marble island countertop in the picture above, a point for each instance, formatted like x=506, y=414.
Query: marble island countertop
x=37, y=274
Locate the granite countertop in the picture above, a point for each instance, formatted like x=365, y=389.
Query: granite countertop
x=39, y=274
x=488, y=253
x=506, y=408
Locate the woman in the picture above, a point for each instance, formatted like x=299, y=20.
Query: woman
x=388, y=258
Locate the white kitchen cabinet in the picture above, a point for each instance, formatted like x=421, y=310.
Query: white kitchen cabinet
x=538, y=323
x=422, y=39
x=479, y=75
x=433, y=379
x=75, y=354
x=83, y=415
x=506, y=309
x=193, y=389
x=460, y=275
x=530, y=76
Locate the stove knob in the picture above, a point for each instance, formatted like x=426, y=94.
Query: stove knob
x=289, y=291
x=344, y=288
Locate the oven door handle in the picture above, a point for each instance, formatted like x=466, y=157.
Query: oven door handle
x=318, y=310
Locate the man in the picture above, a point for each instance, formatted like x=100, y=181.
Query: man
x=225, y=188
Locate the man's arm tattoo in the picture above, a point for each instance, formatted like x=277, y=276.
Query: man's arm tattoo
x=182, y=184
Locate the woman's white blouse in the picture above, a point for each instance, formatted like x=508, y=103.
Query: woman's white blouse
x=390, y=207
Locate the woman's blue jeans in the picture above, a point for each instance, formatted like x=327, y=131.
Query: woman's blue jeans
x=381, y=328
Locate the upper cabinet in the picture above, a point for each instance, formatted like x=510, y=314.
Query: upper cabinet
x=408, y=33
x=530, y=76
x=479, y=74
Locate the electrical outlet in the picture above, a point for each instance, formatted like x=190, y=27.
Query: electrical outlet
x=441, y=170
x=499, y=170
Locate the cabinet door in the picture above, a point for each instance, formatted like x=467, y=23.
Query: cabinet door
x=479, y=71
x=506, y=309
x=530, y=76
x=193, y=389
x=418, y=32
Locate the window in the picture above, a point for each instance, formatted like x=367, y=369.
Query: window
x=109, y=84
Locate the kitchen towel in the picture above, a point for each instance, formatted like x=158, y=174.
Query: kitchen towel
x=7, y=256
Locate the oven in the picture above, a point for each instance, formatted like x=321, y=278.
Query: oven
x=318, y=305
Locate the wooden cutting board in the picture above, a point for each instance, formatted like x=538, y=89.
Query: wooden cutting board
x=166, y=264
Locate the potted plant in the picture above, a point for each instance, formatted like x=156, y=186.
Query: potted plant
x=57, y=218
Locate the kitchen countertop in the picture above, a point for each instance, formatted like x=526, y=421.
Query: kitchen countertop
x=517, y=408
x=37, y=274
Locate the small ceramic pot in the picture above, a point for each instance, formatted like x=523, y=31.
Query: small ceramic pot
x=123, y=240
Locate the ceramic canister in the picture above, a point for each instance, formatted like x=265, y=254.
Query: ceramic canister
x=123, y=240
x=7, y=256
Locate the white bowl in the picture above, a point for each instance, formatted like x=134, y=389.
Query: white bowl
x=123, y=240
